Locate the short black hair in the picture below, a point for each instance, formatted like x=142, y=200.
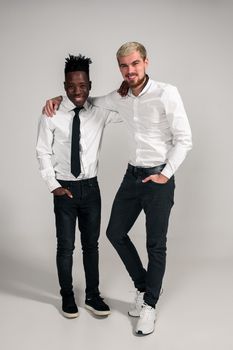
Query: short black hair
x=77, y=63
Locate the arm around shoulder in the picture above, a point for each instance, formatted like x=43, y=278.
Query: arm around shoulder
x=51, y=106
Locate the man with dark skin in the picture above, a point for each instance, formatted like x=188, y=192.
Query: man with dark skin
x=77, y=87
x=76, y=192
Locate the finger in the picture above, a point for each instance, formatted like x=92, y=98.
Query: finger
x=47, y=109
x=68, y=193
x=147, y=179
x=51, y=108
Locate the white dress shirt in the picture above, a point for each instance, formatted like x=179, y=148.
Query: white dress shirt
x=158, y=127
x=54, y=142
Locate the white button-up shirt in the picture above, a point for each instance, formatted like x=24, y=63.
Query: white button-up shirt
x=158, y=127
x=54, y=142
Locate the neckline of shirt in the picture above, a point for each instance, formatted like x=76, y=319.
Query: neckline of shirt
x=144, y=90
x=69, y=105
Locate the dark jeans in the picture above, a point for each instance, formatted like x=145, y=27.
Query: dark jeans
x=86, y=206
x=156, y=200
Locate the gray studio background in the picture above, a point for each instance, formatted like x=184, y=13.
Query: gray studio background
x=189, y=45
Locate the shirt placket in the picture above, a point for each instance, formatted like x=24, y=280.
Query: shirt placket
x=136, y=129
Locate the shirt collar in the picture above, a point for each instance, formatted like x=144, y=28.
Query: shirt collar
x=68, y=106
x=144, y=90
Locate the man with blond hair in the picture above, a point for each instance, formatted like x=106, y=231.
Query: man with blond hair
x=160, y=137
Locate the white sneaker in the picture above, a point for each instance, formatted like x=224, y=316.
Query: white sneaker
x=135, y=312
x=146, y=322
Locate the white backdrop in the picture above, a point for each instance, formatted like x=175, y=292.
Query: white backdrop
x=189, y=45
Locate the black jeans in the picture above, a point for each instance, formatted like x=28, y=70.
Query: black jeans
x=86, y=206
x=156, y=200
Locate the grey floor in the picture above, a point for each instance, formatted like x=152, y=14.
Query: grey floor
x=195, y=310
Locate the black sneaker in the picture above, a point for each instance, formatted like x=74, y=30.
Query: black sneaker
x=97, y=306
x=69, y=307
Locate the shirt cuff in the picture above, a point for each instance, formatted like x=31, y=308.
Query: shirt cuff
x=52, y=184
x=167, y=171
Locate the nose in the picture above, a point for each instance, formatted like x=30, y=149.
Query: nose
x=130, y=69
x=77, y=90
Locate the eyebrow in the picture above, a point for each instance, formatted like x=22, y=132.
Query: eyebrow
x=125, y=64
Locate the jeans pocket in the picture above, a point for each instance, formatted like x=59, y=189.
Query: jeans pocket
x=158, y=184
x=59, y=195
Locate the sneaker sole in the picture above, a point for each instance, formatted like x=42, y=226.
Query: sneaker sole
x=135, y=316
x=96, y=312
x=141, y=333
x=67, y=315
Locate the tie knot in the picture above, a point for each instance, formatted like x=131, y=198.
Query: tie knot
x=77, y=109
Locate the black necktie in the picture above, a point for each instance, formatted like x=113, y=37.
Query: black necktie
x=75, y=158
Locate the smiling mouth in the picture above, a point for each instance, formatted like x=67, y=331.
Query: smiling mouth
x=131, y=77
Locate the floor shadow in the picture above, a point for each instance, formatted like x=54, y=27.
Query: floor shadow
x=122, y=307
x=33, y=281
x=23, y=279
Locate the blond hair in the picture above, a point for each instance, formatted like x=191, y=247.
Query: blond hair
x=129, y=47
